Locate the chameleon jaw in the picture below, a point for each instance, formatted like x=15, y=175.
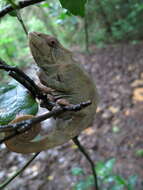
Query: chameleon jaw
x=34, y=39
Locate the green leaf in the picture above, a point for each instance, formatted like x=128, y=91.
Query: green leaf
x=84, y=185
x=104, y=169
x=14, y=100
x=89, y=181
x=120, y=181
x=13, y=13
x=63, y=16
x=139, y=153
x=77, y=171
x=132, y=180
x=13, y=4
x=115, y=129
x=80, y=186
x=75, y=7
x=117, y=187
x=44, y=5
x=109, y=179
x=110, y=164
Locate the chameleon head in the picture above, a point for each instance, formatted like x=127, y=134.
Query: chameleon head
x=47, y=49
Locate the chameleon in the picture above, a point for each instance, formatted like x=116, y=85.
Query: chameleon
x=67, y=83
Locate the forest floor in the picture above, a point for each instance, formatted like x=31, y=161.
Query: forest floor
x=116, y=133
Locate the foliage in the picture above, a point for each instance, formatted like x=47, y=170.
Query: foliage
x=115, y=21
x=48, y=17
x=75, y=7
x=109, y=21
x=139, y=153
x=107, y=179
x=13, y=50
x=15, y=100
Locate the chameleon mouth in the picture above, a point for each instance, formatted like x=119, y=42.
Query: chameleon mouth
x=35, y=42
x=34, y=39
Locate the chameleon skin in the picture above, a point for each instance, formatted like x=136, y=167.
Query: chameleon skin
x=59, y=71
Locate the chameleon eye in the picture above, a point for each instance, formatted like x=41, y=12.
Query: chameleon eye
x=52, y=43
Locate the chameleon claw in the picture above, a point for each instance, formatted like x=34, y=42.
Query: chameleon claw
x=63, y=102
x=77, y=107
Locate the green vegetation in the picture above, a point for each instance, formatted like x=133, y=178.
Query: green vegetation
x=15, y=100
x=48, y=17
x=109, y=21
x=115, y=21
x=107, y=178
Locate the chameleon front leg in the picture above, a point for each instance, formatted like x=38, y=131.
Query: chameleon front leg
x=45, y=89
x=54, y=82
x=50, y=85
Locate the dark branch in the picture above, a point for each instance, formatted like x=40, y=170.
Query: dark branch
x=20, y=5
x=83, y=151
x=21, y=127
x=20, y=19
x=28, y=83
x=6, y=182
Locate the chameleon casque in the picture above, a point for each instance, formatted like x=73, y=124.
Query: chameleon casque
x=67, y=83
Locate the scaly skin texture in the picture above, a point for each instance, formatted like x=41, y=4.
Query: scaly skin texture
x=68, y=82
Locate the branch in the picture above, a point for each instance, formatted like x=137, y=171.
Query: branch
x=6, y=182
x=83, y=151
x=19, y=17
x=25, y=125
x=20, y=5
x=28, y=83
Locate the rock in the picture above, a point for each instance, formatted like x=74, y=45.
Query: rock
x=114, y=109
x=138, y=95
x=137, y=83
x=107, y=115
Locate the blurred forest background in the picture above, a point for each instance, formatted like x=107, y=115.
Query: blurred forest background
x=109, y=22
x=108, y=42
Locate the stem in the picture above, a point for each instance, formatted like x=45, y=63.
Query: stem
x=25, y=125
x=21, y=4
x=27, y=82
x=86, y=31
x=83, y=151
x=6, y=182
x=18, y=15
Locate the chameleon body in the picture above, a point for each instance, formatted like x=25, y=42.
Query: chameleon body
x=68, y=81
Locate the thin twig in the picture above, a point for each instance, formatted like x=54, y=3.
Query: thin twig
x=83, y=151
x=18, y=15
x=20, y=5
x=6, y=182
x=86, y=31
x=21, y=127
x=28, y=83
x=19, y=18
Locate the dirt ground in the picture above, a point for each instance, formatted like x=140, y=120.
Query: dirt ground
x=117, y=130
